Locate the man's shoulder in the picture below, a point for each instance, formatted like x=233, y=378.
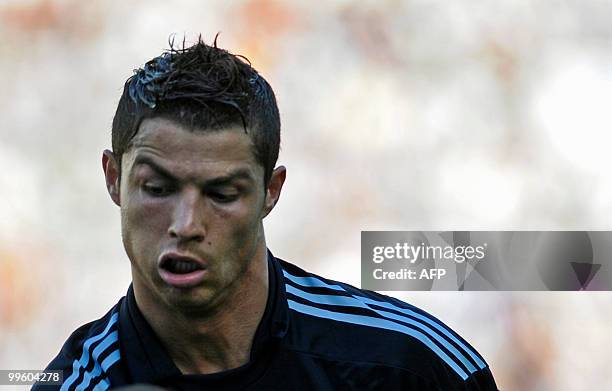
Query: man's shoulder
x=88, y=354
x=339, y=321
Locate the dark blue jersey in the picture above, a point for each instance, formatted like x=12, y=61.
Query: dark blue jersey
x=315, y=334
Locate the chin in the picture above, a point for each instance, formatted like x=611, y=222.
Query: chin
x=188, y=301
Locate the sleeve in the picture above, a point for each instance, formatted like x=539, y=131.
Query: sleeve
x=87, y=356
x=63, y=362
x=481, y=381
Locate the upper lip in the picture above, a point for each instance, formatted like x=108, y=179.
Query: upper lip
x=182, y=257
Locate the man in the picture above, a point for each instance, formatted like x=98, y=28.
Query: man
x=195, y=140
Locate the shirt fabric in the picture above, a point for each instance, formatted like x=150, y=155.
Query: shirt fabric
x=315, y=334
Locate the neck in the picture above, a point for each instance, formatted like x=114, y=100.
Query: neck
x=220, y=338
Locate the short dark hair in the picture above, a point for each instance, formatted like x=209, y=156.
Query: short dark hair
x=205, y=88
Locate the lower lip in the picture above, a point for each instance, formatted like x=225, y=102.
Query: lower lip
x=186, y=280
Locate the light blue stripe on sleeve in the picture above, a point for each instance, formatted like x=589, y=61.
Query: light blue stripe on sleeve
x=315, y=282
x=97, y=369
x=84, y=360
x=428, y=320
x=353, y=302
x=311, y=282
x=102, y=385
x=110, y=360
x=379, y=323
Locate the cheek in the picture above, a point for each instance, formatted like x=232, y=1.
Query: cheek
x=144, y=222
x=241, y=223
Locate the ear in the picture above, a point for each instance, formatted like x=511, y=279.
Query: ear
x=273, y=191
x=111, y=173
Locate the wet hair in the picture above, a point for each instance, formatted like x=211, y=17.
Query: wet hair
x=202, y=88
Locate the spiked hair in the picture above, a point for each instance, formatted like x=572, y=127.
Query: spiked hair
x=203, y=88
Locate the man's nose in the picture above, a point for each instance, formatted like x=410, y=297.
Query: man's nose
x=188, y=219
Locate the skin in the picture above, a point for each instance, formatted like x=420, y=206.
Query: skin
x=199, y=192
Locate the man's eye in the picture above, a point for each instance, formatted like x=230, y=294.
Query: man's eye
x=223, y=197
x=156, y=190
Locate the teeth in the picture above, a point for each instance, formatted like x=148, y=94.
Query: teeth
x=182, y=267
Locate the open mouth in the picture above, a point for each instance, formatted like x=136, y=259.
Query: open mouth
x=182, y=271
x=180, y=265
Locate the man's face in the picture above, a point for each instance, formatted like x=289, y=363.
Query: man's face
x=192, y=204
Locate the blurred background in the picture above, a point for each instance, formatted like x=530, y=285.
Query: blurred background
x=397, y=115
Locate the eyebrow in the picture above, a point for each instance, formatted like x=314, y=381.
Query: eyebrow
x=241, y=173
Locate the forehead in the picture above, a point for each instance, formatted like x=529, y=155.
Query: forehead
x=183, y=149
